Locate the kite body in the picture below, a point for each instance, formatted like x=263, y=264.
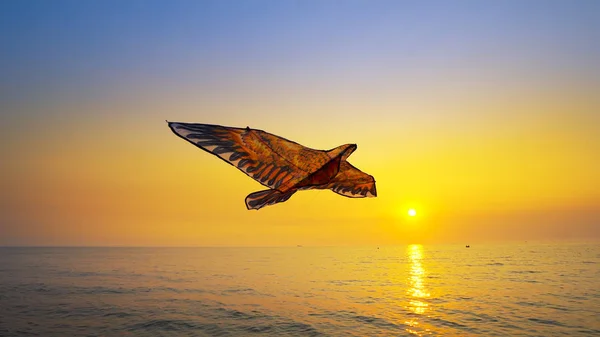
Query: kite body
x=279, y=164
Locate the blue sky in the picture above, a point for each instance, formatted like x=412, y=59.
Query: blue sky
x=95, y=45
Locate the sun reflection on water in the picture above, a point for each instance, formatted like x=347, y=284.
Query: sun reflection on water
x=416, y=289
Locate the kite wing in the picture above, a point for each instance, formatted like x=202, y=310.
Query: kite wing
x=271, y=160
x=352, y=182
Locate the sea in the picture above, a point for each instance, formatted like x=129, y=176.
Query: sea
x=517, y=289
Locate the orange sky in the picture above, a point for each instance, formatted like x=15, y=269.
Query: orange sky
x=487, y=142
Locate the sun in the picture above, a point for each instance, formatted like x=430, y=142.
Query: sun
x=412, y=212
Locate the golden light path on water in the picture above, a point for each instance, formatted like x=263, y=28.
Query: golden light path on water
x=416, y=291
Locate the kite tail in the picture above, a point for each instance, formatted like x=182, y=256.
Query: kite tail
x=260, y=199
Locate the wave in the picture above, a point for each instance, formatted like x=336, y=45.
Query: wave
x=525, y=271
x=176, y=325
x=495, y=264
x=546, y=321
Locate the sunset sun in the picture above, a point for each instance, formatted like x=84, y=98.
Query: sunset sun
x=412, y=212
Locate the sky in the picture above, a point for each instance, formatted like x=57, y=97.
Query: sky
x=482, y=116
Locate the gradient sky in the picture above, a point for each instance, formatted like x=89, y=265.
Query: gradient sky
x=483, y=116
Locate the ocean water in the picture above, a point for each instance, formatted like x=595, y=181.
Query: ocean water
x=492, y=290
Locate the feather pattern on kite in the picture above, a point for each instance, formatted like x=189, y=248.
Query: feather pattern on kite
x=281, y=165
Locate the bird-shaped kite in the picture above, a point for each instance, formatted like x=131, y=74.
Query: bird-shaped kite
x=280, y=164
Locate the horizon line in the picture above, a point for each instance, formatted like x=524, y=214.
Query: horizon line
x=595, y=240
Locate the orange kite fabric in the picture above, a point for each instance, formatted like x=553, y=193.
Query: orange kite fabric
x=281, y=165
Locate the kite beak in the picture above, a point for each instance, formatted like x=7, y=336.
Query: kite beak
x=348, y=151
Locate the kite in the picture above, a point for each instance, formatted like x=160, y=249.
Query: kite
x=283, y=166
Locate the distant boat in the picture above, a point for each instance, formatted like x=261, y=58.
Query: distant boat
x=468, y=246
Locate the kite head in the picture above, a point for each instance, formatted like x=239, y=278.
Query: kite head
x=343, y=150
